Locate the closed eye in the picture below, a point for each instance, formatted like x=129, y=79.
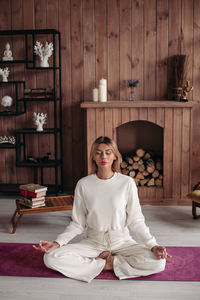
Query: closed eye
x=108, y=152
x=98, y=152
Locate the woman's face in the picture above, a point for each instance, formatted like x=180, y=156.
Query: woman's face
x=104, y=156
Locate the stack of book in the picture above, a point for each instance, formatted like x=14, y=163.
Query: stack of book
x=32, y=195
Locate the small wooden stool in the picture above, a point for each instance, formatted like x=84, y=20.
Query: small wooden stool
x=57, y=203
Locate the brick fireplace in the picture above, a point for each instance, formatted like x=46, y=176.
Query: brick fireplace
x=175, y=120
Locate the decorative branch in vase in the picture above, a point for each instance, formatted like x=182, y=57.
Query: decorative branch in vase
x=39, y=120
x=4, y=73
x=132, y=83
x=179, y=69
x=44, y=52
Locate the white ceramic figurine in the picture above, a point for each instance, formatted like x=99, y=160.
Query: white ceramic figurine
x=39, y=120
x=7, y=53
x=6, y=101
x=44, y=53
x=4, y=73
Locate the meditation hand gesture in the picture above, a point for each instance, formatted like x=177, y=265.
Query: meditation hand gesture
x=46, y=246
x=160, y=252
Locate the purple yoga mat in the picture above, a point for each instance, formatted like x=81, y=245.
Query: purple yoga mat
x=23, y=260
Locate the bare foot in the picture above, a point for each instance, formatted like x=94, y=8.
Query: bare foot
x=109, y=263
x=109, y=260
x=104, y=254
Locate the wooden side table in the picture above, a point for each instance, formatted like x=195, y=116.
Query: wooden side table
x=57, y=203
x=194, y=209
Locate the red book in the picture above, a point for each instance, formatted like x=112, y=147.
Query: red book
x=32, y=194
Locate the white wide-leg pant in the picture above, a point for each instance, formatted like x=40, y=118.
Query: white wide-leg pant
x=79, y=260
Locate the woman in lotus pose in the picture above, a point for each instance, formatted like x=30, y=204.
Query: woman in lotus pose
x=106, y=204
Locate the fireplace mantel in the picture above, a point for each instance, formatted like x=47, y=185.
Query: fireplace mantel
x=129, y=104
x=104, y=118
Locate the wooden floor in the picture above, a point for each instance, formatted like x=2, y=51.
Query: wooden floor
x=172, y=225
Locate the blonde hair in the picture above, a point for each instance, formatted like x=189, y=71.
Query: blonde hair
x=105, y=140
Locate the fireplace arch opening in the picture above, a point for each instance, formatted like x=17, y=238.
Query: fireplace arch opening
x=140, y=134
x=146, y=167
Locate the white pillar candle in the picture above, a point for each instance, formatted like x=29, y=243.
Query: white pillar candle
x=103, y=81
x=95, y=94
x=103, y=90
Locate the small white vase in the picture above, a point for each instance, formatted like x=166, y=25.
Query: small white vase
x=44, y=62
x=5, y=79
x=39, y=127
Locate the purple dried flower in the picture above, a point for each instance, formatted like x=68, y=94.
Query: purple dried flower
x=133, y=83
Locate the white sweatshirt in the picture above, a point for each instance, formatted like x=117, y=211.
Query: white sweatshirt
x=107, y=205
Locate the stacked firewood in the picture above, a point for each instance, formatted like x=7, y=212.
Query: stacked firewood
x=144, y=167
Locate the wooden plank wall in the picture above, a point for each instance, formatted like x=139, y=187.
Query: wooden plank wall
x=115, y=39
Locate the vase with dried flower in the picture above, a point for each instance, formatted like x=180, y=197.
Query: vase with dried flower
x=179, y=74
x=132, y=84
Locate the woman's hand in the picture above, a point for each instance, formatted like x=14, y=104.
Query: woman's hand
x=46, y=246
x=160, y=252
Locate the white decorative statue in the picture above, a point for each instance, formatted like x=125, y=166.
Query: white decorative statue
x=4, y=73
x=7, y=53
x=44, y=52
x=6, y=101
x=39, y=120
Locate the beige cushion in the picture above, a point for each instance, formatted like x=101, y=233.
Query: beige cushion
x=194, y=196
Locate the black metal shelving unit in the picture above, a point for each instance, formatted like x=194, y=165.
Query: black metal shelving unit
x=21, y=102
